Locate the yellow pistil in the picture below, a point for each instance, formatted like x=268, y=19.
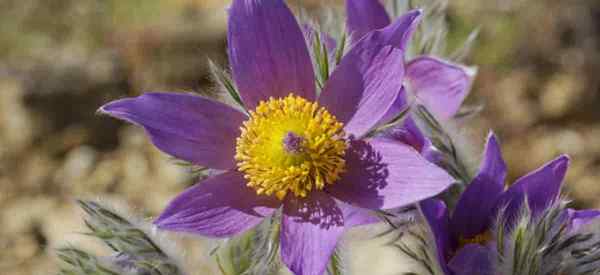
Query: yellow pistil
x=290, y=145
x=482, y=239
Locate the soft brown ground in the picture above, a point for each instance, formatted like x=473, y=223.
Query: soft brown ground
x=61, y=59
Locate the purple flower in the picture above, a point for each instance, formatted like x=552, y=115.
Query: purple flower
x=295, y=150
x=437, y=84
x=461, y=239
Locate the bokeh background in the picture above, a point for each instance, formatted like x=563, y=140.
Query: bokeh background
x=539, y=80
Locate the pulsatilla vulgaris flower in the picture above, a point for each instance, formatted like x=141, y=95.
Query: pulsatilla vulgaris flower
x=295, y=151
x=463, y=240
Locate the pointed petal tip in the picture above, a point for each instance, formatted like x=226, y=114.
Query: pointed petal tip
x=492, y=148
x=564, y=158
x=561, y=164
x=167, y=221
x=492, y=138
x=541, y=187
x=161, y=223
x=102, y=110
x=220, y=206
x=117, y=108
x=471, y=71
x=416, y=14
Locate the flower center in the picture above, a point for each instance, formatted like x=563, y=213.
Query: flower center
x=290, y=145
x=482, y=239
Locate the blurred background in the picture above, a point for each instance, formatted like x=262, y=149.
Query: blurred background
x=539, y=64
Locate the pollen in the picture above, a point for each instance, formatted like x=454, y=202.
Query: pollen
x=482, y=239
x=290, y=145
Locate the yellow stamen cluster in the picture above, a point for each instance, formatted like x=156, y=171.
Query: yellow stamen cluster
x=482, y=238
x=270, y=167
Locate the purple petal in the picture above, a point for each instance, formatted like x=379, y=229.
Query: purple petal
x=363, y=16
x=310, y=230
x=396, y=108
x=439, y=85
x=384, y=174
x=400, y=31
x=408, y=133
x=189, y=127
x=474, y=211
x=579, y=218
x=363, y=87
x=541, y=187
x=219, y=206
x=267, y=52
x=436, y=214
x=472, y=259
x=368, y=80
x=356, y=216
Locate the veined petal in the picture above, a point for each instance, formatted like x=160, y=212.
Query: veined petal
x=363, y=16
x=368, y=80
x=436, y=214
x=188, y=127
x=364, y=86
x=310, y=230
x=409, y=133
x=396, y=109
x=474, y=211
x=385, y=174
x=541, y=187
x=267, y=52
x=219, y=206
x=400, y=31
x=356, y=216
x=473, y=259
x=439, y=85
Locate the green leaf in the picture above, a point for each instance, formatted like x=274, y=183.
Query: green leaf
x=335, y=266
x=339, y=53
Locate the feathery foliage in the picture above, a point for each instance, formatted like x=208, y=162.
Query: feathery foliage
x=545, y=245
x=254, y=252
x=135, y=251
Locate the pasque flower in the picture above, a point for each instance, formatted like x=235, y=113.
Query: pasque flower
x=293, y=150
x=464, y=239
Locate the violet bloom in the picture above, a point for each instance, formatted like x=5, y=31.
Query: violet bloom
x=435, y=83
x=462, y=239
x=294, y=150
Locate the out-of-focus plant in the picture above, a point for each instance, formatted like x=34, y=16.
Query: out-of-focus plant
x=136, y=249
